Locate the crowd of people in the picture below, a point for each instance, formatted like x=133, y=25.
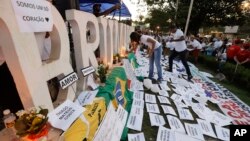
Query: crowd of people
x=175, y=44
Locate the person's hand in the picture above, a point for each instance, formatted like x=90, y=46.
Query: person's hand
x=117, y=6
x=150, y=53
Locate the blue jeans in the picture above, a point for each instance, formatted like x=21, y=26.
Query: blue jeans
x=156, y=57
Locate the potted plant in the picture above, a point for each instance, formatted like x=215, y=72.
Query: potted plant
x=102, y=71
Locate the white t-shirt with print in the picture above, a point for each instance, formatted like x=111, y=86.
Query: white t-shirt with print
x=196, y=44
x=145, y=42
x=179, y=45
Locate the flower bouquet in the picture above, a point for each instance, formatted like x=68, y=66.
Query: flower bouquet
x=32, y=124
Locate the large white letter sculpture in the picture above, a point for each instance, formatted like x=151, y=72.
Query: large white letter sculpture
x=84, y=50
x=23, y=59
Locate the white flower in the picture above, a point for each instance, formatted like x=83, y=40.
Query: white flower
x=40, y=116
x=21, y=113
x=32, y=110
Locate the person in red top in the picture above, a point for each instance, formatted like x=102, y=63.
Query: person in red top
x=243, y=56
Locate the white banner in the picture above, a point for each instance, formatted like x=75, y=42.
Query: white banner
x=33, y=15
x=68, y=80
x=65, y=114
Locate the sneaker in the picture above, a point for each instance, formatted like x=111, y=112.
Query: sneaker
x=159, y=81
x=190, y=77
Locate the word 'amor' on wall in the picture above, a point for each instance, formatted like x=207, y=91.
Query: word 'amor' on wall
x=21, y=51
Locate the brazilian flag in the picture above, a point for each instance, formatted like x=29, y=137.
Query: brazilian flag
x=116, y=91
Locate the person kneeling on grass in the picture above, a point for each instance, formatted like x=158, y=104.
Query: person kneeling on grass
x=155, y=52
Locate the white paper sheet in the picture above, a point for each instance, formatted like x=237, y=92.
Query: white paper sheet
x=36, y=17
x=175, y=124
x=163, y=100
x=136, y=137
x=65, y=114
x=176, y=97
x=194, y=131
x=138, y=95
x=150, y=98
x=91, y=82
x=185, y=114
x=136, y=85
x=168, y=110
x=220, y=119
x=184, y=137
x=164, y=86
x=135, y=121
x=180, y=104
x=156, y=120
x=138, y=103
x=206, y=128
x=112, y=125
x=152, y=108
x=86, y=97
x=165, y=134
x=222, y=133
x=163, y=93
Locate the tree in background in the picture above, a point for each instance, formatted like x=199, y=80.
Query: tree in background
x=205, y=13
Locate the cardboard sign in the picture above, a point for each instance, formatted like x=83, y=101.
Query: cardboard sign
x=65, y=114
x=33, y=15
x=88, y=70
x=68, y=80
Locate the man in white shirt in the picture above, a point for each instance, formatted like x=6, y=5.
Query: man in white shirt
x=195, y=45
x=180, y=49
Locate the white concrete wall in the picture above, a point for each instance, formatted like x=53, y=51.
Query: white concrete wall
x=21, y=53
